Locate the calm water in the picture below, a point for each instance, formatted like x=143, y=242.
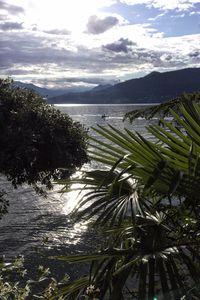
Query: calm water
x=91, y=115
x=32, y=218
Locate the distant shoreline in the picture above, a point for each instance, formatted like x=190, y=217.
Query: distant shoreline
x=108, y=104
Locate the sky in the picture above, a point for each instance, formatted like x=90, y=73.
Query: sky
x=74, y=43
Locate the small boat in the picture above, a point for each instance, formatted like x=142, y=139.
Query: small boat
x=104, y=116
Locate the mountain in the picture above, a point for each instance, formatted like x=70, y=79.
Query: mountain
x=101, y=87
x=155, y=87
x=47, y=93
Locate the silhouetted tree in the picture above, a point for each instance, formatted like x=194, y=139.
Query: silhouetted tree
x=38, y=143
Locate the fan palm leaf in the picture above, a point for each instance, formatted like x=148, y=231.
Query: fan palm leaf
x=144, y=251
x=147, y=201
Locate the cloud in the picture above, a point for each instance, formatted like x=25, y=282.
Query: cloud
x=3, y=17
x=122, y=45
x=58, y=31
x=166, y=57
x=29, y=49
x=10, y=8
x=156, y=17
x=194, y=54
x=11, y=26
x=180, y=5
x=39, y=56
x=192, y=13
x=66, y=81
x=97, y=26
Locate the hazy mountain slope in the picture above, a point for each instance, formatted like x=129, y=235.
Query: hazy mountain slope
x=47, y=93
x=155, y=87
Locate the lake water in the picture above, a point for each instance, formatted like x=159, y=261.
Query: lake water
x=91, y=115
x=32, y=218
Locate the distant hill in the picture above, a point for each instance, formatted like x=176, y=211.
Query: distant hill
x=101, y=87
x=155, y=87
x=47, y=93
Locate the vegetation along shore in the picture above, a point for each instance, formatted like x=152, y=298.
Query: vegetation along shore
x=143, y=201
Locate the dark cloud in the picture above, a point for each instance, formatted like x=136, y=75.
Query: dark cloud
x=97, y=26
x=122, y=45
x=168, y=57
x=152, y=57
x=11, y=26
x=29, y=50
x=137, y=57
x=25, y=53
x=26, y=50
x=194, y=54
x=11, y=9
x=13, y=72
x=58, y=31
x=34, y=28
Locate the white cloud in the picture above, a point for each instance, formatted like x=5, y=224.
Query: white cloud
x=194, y=13
x=58, y=31
x=156, y=17
x=164, y=4
x=61, y=14
x=39, y=44
x=132, y=49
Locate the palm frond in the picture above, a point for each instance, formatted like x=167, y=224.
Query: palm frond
x=147, y=201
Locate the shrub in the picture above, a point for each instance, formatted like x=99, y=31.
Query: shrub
x=38, y=143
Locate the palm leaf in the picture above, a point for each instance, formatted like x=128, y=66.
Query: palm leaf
x=148, y=238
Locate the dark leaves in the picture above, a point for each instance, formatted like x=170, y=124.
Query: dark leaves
x=38, y=143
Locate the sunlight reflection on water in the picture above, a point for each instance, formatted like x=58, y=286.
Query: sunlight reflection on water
x=32, y=217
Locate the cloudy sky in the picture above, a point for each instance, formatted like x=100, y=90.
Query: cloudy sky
x=86, y=42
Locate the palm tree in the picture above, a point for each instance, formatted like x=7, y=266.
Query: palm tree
x=147, y=205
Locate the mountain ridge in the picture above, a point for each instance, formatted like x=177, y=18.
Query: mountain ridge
x=154, y=87
x=45, y=92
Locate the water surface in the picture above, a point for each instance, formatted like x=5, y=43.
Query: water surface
x=32, y=218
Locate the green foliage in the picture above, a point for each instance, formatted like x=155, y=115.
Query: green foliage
x=162, y=109
x=17, y=284
x=147, y=203
x=38, y=143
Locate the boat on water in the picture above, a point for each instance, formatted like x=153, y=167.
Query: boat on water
x=104, y=116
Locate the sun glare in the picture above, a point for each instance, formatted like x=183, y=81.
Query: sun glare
x=71, y=15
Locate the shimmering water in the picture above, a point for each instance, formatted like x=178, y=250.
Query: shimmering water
x=32, y=218
x=91, y=115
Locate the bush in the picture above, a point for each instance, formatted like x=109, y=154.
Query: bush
x=38, y=143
